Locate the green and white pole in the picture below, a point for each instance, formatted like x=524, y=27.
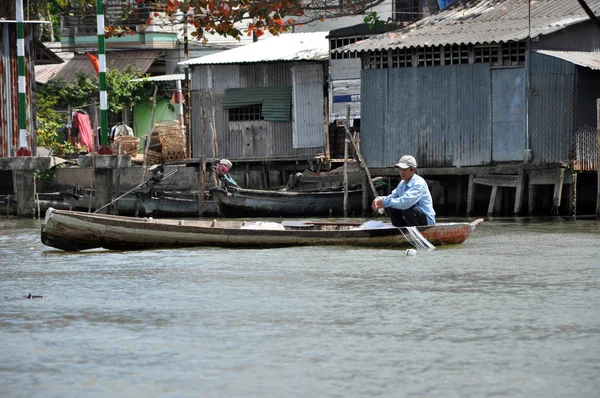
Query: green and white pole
x=102, y=62
x=21, y=71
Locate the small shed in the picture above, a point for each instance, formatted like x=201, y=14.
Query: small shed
x=261, y=102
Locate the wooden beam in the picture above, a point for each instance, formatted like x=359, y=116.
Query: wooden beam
x=470, y=195
x=497, y=180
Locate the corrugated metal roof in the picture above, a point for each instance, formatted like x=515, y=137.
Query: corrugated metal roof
x=286, y=47
x=582, y=58
x=43, y=73
x=80, y=63
x=484, y=21
x=162, y=78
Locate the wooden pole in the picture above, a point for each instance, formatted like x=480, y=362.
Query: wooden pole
x=92, y=182
x=327, y=143
x=149, y=134
x=357, y=151
x=117, y=177
x=346, y=177
x=598, y=158
x=202, y=159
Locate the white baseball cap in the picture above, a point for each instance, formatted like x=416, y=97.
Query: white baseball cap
x=406, y=162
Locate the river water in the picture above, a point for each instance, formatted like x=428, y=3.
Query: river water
x=513, y=312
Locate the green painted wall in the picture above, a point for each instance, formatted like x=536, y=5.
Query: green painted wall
x=142, y=113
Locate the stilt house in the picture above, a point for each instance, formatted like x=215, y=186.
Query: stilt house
x=487, y=84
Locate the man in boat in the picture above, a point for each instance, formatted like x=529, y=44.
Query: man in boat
x=410, y=204
x=222, y=171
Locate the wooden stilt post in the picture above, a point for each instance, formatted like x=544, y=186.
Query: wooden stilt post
x=365, y=195
x=531, y=198
x=491, y=205
x=519, y=193
x=573, y=196
x=558, y=191
x=470, y=195
x=247, y=176
x=598, y=158
x=459, y=194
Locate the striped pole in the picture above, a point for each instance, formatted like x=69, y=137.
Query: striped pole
x=102, y=61
x=21, y=70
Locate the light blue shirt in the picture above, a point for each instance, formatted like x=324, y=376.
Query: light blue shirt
x=407, y=195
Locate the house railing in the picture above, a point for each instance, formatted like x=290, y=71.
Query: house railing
x=77, y=21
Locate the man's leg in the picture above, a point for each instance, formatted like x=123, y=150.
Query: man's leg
x=396, y=217
x=407, y=218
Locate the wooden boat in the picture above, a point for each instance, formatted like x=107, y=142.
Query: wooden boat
x=153, y=204
x=263, y=203
x=74, y=231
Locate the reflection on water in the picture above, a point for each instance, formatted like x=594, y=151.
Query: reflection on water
x=515, y=311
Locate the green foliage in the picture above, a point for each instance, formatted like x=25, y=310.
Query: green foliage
x=48, y=119
x=374, y=21
x=122, y=91
x=48, y=175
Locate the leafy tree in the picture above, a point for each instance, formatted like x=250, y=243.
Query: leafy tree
x=122, y=91
x=233, y=18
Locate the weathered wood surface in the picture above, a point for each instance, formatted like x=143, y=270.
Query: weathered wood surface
x=74, y=231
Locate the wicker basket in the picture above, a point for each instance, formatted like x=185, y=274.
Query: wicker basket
x=153, y=157
x=129, y=145
x=172, y=140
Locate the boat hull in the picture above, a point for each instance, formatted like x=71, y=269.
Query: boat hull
x=74, y=231
x=260, y=203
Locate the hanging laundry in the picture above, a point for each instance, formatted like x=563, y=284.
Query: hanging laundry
x=82, y=121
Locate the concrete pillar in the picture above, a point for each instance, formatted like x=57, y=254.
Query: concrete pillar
x=103, y=189
x=23, y=181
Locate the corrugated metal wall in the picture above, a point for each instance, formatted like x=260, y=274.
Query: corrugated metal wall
x=308, y=122
x=9, y=90
x=552, y=109
x=440, y=115
x=242, y=140
x=509, y=114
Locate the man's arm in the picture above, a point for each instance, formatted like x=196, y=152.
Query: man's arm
x=410, y=197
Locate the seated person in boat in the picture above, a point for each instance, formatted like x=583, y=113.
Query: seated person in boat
x=222, y=171
x=410, y=204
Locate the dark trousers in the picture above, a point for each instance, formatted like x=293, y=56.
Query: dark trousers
x=407, y=218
